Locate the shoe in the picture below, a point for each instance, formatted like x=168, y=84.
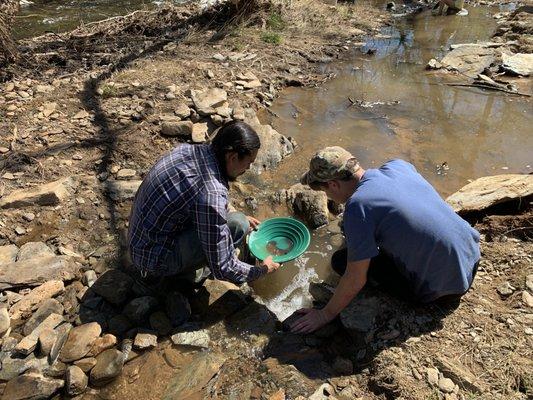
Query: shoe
x=463, y=12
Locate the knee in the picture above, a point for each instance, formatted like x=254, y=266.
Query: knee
x=238, y=225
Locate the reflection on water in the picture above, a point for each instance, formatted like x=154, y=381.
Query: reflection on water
x=386, y=106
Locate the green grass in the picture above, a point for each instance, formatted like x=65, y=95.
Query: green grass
x=272, y=38
x=275, y=22
x=109, y=91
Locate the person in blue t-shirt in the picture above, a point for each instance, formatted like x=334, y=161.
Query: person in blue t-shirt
x=399, y=233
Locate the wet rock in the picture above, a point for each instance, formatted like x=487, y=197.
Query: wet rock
x=47, y=338
x=86, y=364
x=489, y=191
x=199, y=132
x=80, y=341
x=182, y=129
x=138, y=310
x=8, y=253
x=119, y=325
x=518, y=64
x=49, y=194
x=337, y=241
x=45, y=291
x=182, y=111
x=198, y=338
x=321, y=292
x=178, y=308
x=5, y=321
x=36, y=271
x=47, y=307
x=309, y=204
x=31, y=385
x=274, y=148
x=160, y=323
x=254, y=319
x=114, y=286
x=122, y=190
x=207, y=101
x=145, y=341
x=109, y=364
x=29, y=343
x=102, y=343
x=75, y=380
x=360, y=314
x=190, y=381
x=470, y=59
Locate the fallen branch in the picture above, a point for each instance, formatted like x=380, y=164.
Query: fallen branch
x=480, y=85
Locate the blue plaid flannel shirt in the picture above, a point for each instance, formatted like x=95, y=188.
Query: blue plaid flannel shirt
x=184, y=187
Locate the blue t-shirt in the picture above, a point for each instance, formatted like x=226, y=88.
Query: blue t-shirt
x=395, y=210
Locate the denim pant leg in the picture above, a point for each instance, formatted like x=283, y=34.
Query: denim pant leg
x=189, y=260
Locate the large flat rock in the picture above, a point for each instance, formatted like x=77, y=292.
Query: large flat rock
x=122, y=190
x=49, y=194
x=519, y=64
x=491, y=190
x=36, y=271
x=470, y=59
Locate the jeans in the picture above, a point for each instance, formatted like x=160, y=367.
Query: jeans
x=188, y=260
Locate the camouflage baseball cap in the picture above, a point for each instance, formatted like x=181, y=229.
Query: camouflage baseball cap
x=328, y=164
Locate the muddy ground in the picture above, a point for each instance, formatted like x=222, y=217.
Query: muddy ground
x=91, y=103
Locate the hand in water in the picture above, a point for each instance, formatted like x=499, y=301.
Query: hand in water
x=269, y=264
x=312, y=320
x=254, y=222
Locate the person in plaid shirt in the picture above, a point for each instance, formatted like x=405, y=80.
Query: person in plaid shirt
x=180, y=224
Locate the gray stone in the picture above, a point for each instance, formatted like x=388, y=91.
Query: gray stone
x=89, y=277
x=47, y=307
x=519, y=64
x=207, y=101
x=160, y=323
x=76, y=380
x=62, y=336
x=49, y=194
x=8, y=253
x=126, y=173
x=32, y=250
x=139, y=309
x=29, y=343
x=145, y=341
x=198, y=338
x=254, y=319
x=323, y=392
x=182, y=110
x=274, y=148
x=13, y=365
x=308, y=204
x=122, y=190
x=80, y=341
x=360, y=314
x=109, y=364
x=178, y=308
x=114, y=286
x=36, y=296
x=37, y=271
x=470, y=59
x=31, y=386
x=182, y=129
x=491, y=190
x=28, y=216
x=5, y=321
x=199, y=132
x=86, y=364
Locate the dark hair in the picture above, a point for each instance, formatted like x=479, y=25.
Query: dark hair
x=235, y=136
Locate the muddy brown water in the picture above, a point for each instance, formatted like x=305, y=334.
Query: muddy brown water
x=451, y=134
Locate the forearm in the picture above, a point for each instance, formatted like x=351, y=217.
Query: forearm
x=349, y=286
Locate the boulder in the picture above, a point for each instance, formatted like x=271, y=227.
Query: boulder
x=198, y=338
x=45, y=291
x=274, y=147
x=76, y=380
x=86, y=364
x=207, y=101
x=518, y=64
x=47, y=338
x=310, y=205
x=80, y=341
x=489, y=191
x=101, y=344
x=470, y=59
x=182, y=129
x=13, y=365
x=109, y=364
x=31, y=385
x=119, y=190
x=29, y=343
x=138, y=310
x=32, y=250
x=47, y=307
x=114, y=286
x=36, y=271
x=8, y=253
x=359, y=316
x=49, y=194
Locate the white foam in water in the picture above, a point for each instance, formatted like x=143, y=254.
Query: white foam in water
x=296, y=294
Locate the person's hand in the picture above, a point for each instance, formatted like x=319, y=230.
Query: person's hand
x=311, y=320
x=254, y=222
x=269, y=265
